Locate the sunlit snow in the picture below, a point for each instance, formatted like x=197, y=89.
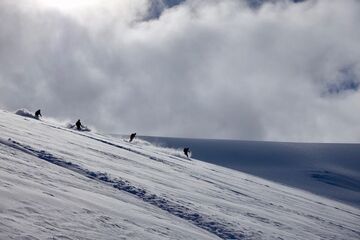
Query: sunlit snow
x=58, y=183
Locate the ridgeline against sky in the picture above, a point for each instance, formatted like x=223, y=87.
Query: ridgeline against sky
x=256, y=70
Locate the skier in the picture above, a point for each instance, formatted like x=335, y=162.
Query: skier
x=132, y=136
x=78, y=125
x=38, y=114
x=187, y=151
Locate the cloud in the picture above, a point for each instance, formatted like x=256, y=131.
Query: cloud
x=345, y=80
x=218, y=69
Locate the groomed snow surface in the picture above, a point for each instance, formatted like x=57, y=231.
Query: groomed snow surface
x=58, y=183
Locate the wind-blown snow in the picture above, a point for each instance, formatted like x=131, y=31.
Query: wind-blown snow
x=64, y=184
x=25, y=113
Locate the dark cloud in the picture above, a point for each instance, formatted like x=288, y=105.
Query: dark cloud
x=199, y=69
x=346, y=80
x=259, y=3
x=157, y=7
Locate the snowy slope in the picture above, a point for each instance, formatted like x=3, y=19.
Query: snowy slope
x=327, y=169
x=58, y=183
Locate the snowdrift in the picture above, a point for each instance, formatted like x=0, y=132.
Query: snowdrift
x=59, y=183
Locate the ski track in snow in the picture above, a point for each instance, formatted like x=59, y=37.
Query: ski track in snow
x=221, y=229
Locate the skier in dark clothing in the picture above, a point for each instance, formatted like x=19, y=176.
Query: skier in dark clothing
x=132, y=136
x=187, y=151
x=38, y=114
x=78, y=125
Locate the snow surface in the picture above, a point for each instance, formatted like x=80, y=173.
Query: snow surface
x=58, y=183
x=328, y=169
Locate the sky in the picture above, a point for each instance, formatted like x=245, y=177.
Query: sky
x=276, y=71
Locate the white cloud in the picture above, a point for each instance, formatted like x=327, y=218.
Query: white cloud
x=204, y=68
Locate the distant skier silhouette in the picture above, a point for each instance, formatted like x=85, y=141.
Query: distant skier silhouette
x=78, y=125
x=187, y=151
x=132, y=136
x=38, y=114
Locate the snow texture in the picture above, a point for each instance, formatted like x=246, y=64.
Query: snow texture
x=58, y=183
x=331, y=170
